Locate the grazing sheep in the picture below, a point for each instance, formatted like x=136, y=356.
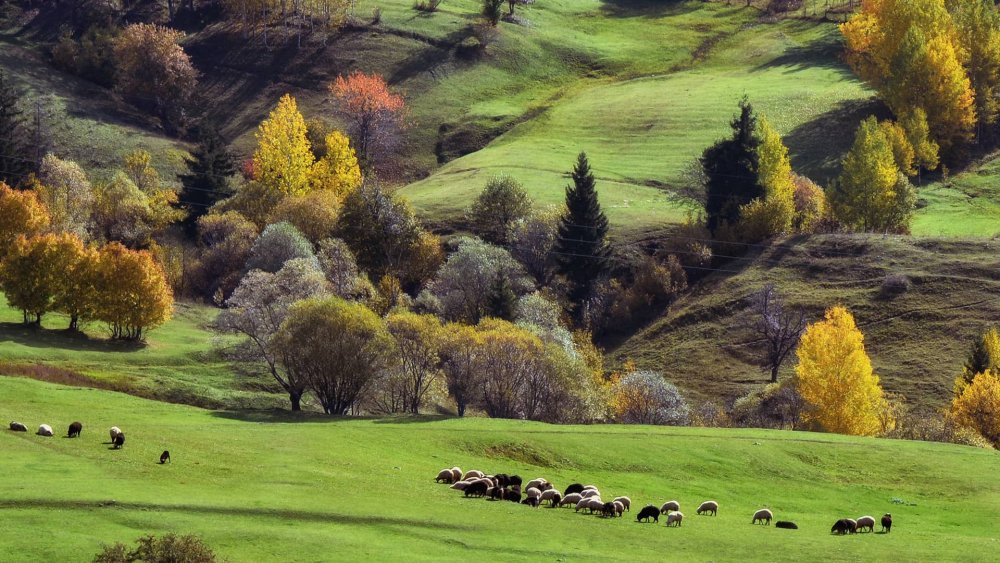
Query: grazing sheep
x=866, y=522
x=165, y=457
x=476, y=489
x=595, y=504
x=547, y=486
x=74, y=430
x=585, y=487
x=844, y=526
x=708, y=506
x=608, y=510
x=571, y=498
x=18, y=427
x=555, y=500
x=472, y=473
x=853, y=524
x=443, y=475
x=456, y=474
x=886, y=523
x=785, y=524
x=114, y=431
x=119, y=440
x=583, y=503
x=619, y=508
x=501, y=479
x=674, y=519
x=513, y=495
x=531, y=501
x=535, y=484
x=574, y=488
x=532, y=492
x=648, y=512
x=44, y=430
x=549, y=494
x=670, y=506
x=588, y=493
x=763, y=516
x=626, y=502
x=514, y=480
x=496, y=493
x=460, y=485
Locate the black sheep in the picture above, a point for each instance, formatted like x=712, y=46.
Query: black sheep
x=476, y=489
x=648, y=512
x=164, y=457
x=787, y=525
x=608, y=510
x=496, y=493
x=514, y=481
x=119, y=440
x=843, y=526
x=574, y=488
x=502, y=480
x=887, y=523
x=556, y=499
x=531, y=501
x=18, y=427
x=513, y=495
x=75, y=429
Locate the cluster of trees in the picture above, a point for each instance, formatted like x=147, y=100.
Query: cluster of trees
x=255, y=16
x=977, y=390
x=45, y=269
x=936, y=63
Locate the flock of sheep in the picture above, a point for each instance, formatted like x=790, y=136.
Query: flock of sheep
x=587, y=497
x=117, y=436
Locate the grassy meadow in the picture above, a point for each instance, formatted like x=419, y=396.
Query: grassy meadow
x=272, y=487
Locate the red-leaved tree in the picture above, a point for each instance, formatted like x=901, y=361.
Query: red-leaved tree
x=374, y=116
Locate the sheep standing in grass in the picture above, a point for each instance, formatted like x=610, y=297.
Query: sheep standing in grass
x=571, y=499
x=866, y=522
x=626, y=502
x=595, y=504
x=708, y=506
x=513, y=494
x=583, y=503
x=460, y=485
x=456, y=474
x=844, y=526
x=648, y=512
x=165, y=457
x=44, y=430
x=763, y=516
x=114, y=431
x=443, y=476
x=514, y=480
x=670, y=506
x=74, y=430
x=18, y=427
x=535, y=484
x=588, y=493
x=886, y=523
x=532, y=492
x=608, y=510
x=674, y=519
x=619, y=508
x=549, y=495
x=476, y=489
x=119, y=440
x=556, y=499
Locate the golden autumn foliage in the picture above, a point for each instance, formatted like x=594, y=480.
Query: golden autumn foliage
x=978, y=407
x=313, y=214
x=141, y=299
x=35, y=270
x=283, y=160
x=338, y=170
x=21, y=213
x=835, y=378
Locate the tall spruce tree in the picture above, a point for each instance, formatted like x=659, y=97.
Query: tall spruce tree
x=502, y=301
x=209, y=167
x=731, y=168
x=581, y=249
x=15, y=156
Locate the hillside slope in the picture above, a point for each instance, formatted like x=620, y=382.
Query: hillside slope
x=272, y=488
x=918, y=341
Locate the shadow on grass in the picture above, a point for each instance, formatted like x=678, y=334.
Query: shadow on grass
x=643, y=8
x=34, y=336
x=824, y=52
x=284, y=514
x=281, y=416
x=817, y=147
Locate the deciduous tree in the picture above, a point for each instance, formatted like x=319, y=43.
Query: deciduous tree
x=313, y=214
x=35, y=271
x=283, y=161
x=978, y=407
x=374, y=115
x=459, y=352
x=153, y=71
x=337, y=171
x=276, y=245
x=501, y=203
x=21, y=213
x=417, y=340
x=645, y=397
x=133, y=294
x=67, y=194
x=835, y=377
x=776, y=327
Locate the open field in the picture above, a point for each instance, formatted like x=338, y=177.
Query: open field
x=918, y=341
x=274, y=488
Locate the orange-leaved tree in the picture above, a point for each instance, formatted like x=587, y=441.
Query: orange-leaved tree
x=21, y=213
x=374, y=115
x=835, y=378
x=133, y=293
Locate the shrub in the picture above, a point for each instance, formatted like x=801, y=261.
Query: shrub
x=644, y=397
x=895, y=285
x=278, y=244
x=426, y=5
x=170, y=548
x=493, y=11
x=776, y=405
x=502, y=203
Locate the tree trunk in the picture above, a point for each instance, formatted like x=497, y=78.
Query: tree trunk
x=461, y=409
x=296, y=399
x=774, y=374
x=74, y=322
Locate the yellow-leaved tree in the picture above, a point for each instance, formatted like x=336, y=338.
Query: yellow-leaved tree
x=338, y=170
x=835, y=378
x=773, y=214
x=36, y=269
x=283, y=159
x=133, y=295
x=978, y=407
x=21, y=213
x=984, y=356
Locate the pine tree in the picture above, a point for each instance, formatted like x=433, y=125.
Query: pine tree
x=581, y=248
x=731, y=166
x=14, y=150
x=206, y=183
x=502, y=301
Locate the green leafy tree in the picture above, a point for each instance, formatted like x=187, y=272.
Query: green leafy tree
x=581, y=248
x=501, y=203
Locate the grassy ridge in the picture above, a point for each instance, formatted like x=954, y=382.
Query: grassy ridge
x=917, y=340
x=265, y=488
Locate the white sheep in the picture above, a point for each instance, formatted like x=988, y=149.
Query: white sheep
x=536, y=483
x=588, y=493
x=114, y=431
x=44, y=430
x=472, y=473
x=584, y=503
x=532, y=492
x=619, y=507
x=674, y=519
x=549, y=494
x=595, y=504
x=443, y=475
x=866, y=522
x=460, y=485
x=764, y=517
x=571, y=498
x=626, y=502
x=588, y=487
x=709, y=506
x=670, y=506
